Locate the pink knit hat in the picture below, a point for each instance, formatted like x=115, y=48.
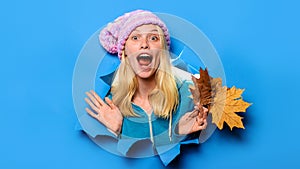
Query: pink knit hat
x=115, y=34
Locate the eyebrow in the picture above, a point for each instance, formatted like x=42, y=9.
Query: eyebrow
x=153, y=30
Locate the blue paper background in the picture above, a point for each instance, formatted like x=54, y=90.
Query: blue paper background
x=257, y=41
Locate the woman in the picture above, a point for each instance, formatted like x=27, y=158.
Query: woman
x=147, y=99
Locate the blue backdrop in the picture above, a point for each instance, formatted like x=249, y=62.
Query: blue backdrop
x=257, y=41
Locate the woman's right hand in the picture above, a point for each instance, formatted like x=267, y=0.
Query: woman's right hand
x=193, y=121
x=108, y=114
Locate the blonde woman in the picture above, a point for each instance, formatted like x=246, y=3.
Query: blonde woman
x=148, y=97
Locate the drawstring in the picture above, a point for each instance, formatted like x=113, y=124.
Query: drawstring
x=170, y=127
x=150, y=128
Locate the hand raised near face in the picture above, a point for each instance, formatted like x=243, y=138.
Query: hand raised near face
x=105, y=112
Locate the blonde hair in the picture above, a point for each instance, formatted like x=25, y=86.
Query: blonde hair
x=163, y=99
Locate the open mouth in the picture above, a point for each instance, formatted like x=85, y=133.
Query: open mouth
x=144, y=59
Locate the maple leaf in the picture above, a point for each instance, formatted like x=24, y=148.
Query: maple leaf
x=201, y=92
x=226, y=103
x=216, y=84
x=222, y=102
x=195, y=91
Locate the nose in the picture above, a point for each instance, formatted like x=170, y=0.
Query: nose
x=144, y=43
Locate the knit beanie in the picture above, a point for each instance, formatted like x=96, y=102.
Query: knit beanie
x=115, y=34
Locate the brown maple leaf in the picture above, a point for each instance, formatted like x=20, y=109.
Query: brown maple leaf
x=195, y=91
x=201, y=92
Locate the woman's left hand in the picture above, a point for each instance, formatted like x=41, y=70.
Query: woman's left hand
x=193, y=121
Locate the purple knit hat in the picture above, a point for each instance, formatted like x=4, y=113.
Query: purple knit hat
x=115, y=34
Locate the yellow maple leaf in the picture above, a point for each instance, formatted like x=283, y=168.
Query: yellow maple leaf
x=226, y=102
x=218, y=104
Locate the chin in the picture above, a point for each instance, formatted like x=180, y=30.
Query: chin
x=145, y=75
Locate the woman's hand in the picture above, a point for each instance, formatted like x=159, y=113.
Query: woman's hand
x=108, y=114
x=193, y=121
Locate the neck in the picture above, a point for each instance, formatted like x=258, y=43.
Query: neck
x=145, y=86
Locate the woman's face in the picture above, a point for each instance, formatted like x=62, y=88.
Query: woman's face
x=143, y=48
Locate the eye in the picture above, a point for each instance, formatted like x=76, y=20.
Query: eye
x=154, y=37
x=134, y=37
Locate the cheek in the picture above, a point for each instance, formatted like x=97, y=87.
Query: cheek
x=132, y=62
x=157, y=45
x=158, y=52
x=130, y=48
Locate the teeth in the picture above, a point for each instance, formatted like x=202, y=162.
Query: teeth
x=144, y=55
